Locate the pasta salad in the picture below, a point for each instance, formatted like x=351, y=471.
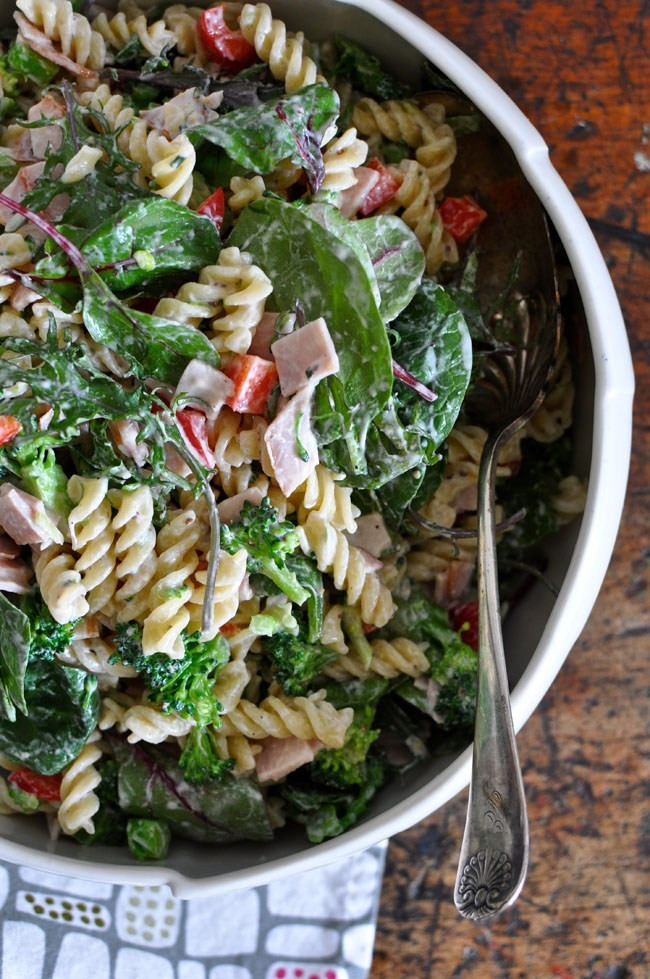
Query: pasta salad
x=237, y=485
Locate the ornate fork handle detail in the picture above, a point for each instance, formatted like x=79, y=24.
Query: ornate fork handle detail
x=494, y=852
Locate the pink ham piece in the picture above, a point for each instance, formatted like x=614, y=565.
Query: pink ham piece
x=371, y=534
x=25, y=519
x=451, y=584
x=230, y=509
x=291, y=426
x=209, y=386
x=21, y=297
x=14, y=576
x=51, y=108
x=23, y=182
x=305, y=357
x=87, y=628
x=188, y=108
x=351, y=200
x=176, y=463
x=8, y=547
x=125, y=434
x=371, y=562
x=281, y=756
x=40, y=43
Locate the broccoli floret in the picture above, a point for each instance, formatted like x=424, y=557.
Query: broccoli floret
x=456, y=672
x=342, y=767
x=268, y=541
x=200, y=759
x=357, y=692
x=329, y=812
x=180, y=685
x=296, y=663
x=47, y=636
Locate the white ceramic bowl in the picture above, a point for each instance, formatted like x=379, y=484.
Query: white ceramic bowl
x=540, y=631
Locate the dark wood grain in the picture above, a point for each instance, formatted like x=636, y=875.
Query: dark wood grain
x=579, y=71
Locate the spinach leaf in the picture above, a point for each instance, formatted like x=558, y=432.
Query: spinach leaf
x=364, y=71
x=151, y=784
x=433, y=343
x=62, y=710
x=176, y=238
x=154, y=347
x=410, y=489
x=330, y=218
x=397, y=260
x=307, y=263
x=15, y=638
x=8, y=169
x=259, y=137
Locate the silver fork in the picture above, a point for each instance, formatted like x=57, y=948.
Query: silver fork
x=494, y=852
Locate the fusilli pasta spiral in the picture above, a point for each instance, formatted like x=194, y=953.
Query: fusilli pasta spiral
x=119, y=30
x=283, y=717
x=92, y=538
x=284, y=55
x=60, y=584
x=149, y=724
x=72, y=31
x=79, y=802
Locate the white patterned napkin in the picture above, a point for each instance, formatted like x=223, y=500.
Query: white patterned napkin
x=318, y=925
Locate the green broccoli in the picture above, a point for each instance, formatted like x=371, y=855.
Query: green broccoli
x=296, y=663
x=200, y=759
x=456, y=672
x=148, y=839
x=327, y=812
x=342, y=767
x=357, y=692
x=269, y=541
x=47, y=636
x=181, y=685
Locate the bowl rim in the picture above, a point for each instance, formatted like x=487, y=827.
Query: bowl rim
x=612, y=433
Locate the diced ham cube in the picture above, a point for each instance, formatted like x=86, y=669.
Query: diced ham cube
x=8, y=547
x=22, y=183
x=305, y=356
x=125, y=433
x=175, y=462
x=14, y=576
x=281, y=756
x=352, y=199
x=87, y=628
x=230, y=509
x=371, y=534
x=188, y=108
x=291, y=443
x=25, y=519
x=44, y=136
x=451, y=584
x=209, y=386
x=263, y=337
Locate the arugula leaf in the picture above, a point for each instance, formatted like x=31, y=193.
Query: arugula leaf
x=259, y=137
x=176, y=238
x=29, y=65
x=433, y=343
x=364, y=71
x=397, y=261
x=8, y=169
x=15, y=638
x=151, y=784
x=62, y=708
x=307, y=263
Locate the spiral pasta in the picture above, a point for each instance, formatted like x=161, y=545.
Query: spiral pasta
x=239, y=748
x=390, y=659
x=14, y=251
x=230, y=575
x=118, y=31
x=118, y=115
x=72, y=31
x=341, y=157
x=79, y=803
x=60, y=584
x=396, y=120
x=81, y=165
x=555, y=413
x=416, y=196
x=149, y=724
x=92, y=538
x=284, y=55
x=335, y=555
x=284, y=717
x=322, y=493
x=171, y=590
x=245, y=190
x=94, y=655
x=569, y=500
x=181, y=20
x=135, y=548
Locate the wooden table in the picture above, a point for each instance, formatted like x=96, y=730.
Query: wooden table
x=580, y=73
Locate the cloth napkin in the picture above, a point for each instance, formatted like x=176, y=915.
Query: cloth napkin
x=317, y=925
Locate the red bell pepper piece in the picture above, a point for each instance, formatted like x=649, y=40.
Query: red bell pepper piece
x=254, y=379
x=227, y=48
x=193, y=425
x=9, y=428
x=464, y=619
x=461, y=217
x=47, y=788
x=383, y=191
x=213, y=207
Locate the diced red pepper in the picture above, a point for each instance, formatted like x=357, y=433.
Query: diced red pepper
x=254, y=379
x=213, y=207
x=193, y=425
x=47, y=788
x=383, y=191
x=227, y=48
x=461, y=217
x=9, y=428
x=230, y=628
x=464, y=619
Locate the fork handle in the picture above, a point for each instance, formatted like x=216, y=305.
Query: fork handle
x=494, y=852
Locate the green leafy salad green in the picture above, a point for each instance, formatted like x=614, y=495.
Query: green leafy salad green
x=239, y=322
